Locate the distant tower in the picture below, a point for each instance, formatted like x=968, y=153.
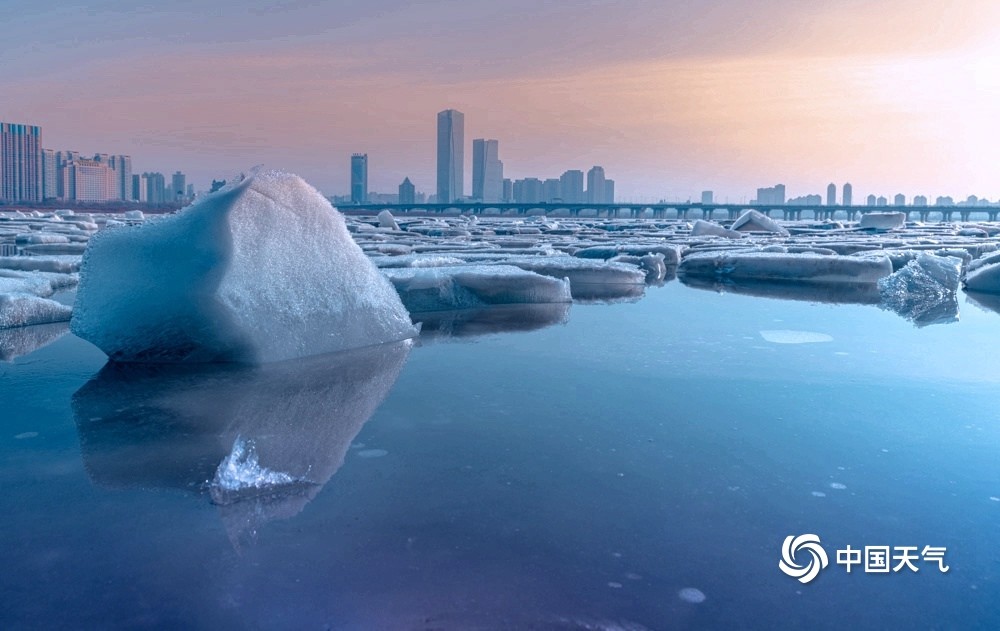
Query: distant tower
x=571, y=187
x=359, y=178
x=609, y=191
x=487, y=170
x=831, y=195
x=450, y=156
x=848, y=192
x=407, y=192
x=899, y=200
x=177, y=186
x=707, y=197
x=595, y=186
x=21, y=177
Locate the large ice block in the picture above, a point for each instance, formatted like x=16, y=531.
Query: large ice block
x=474, y=286
x=813, y=268
x=263, y=270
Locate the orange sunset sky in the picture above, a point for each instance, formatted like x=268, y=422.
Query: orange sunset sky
x=670, y=97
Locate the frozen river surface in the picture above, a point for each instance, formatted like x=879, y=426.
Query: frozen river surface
x=629, y=466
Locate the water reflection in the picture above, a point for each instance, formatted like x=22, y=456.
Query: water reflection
x=464, y=323
x=168, y=426
x=591, y=293
x=830, y=293
x=986, y=302
x=22, y=340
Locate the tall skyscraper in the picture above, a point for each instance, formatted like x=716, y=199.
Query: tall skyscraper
x=508, y=190
x=609, y=191
x=831, y=194
x=571, y=187
x=20, y=163
x=487, y=170
x=847, y=198
x=359, y=178
x=772, y=195
x=707, y=197
x=450, y=156
x=50, y=175
x=156, y=188
x=595, y=185
x=122, y=166
x=899, y=200
x=178, y=184
x=407, y=192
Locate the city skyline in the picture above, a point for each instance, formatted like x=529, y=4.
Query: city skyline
x=675, y=98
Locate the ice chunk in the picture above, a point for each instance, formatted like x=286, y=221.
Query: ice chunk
x=264, y=270
x=671, y=252
x=925, y=290
x=473, y=286
x=985, y=278
x=882, y=221
x=386, y=220
x=784, y=336
x=60, y=264
x=581, y=271
x=756, y=221
x=708, y=228
x=55, y=248
x=652, y=264
x=813, y=268
x=22, y=309
x=134, y=214
x=40, y=237
x=241, y=470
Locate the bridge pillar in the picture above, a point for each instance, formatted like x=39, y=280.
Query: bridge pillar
x=992, y=215
x=732, y=213
x=964, y=214
x=946, y=215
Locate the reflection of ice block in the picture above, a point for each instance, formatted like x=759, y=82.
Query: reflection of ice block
x=829, y=293
x=262, y=271
x=171, y=426
x=464, y=323
x=474, y=286
x=812, y=268
x=20, y=341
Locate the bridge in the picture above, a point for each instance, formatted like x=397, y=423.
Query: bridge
x=666, y=210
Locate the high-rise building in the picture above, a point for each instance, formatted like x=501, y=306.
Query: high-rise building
x=50, y=175
x=831, y=194
x=609, y=191
x=707, y=197
x=156, y=188
x=450, y=156
x=847, y=198
x=528, y=191
x=487, y=170
x=89, y=181
x=870, y=200
x=771, y=196
x=359, y=178
x=21, y=177
x=508, y=190
x=571, y=187
x=407, y=192
x=595, y=185
x=920, y=200
x=899, y=200
x=122, y=166
x=178, y=182
x=550, y=190
x=138, y=188
x=881, y=201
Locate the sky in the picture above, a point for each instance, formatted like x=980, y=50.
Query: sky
x=671, y=97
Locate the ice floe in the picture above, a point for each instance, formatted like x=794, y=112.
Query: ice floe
x=473, y=286
x=264, y=270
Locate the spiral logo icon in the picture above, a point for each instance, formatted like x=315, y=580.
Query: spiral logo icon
x=803, y=543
